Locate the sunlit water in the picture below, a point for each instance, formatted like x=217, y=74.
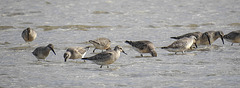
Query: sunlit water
x=72, y=23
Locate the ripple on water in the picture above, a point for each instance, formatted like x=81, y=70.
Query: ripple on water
x=234, y=24
x=76, y=27
x=6, y=27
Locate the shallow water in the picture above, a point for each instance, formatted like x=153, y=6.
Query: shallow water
x=72, y=23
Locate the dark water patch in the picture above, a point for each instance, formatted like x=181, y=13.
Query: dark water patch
x=202, y=63
x=48, y=3
x=211, y=75
x=172, y=73
x=100, y=12
x=3, y=75
x=174, y=25
x=233, y=11
x=26, y=23
x=233, y=60
x=6, y=27
x=152, y=26
x=120, y=85
x=203, y=49
x=180, y=53
x=5, y=43
x=75, y=27
x=78, y=61
x=207, y=24
x=13, y=14
x=35, y=12
x=20, y=48
x=7, y=65
x=158, y=60
x=143, y=56
x=192, y=25
x=234, y=24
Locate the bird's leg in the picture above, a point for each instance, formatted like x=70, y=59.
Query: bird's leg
x=94, y=50
x=141, y=55
x=107, y=66
x=175, y=52
x=101, y=66
x=232, y=44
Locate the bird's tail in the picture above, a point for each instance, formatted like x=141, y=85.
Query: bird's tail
x=175, y=37
x=93, y=42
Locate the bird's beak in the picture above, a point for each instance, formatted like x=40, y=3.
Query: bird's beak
x=124, y=52
x=65, y=59
x=53, y=50
x=66, y=56
x=222, y=39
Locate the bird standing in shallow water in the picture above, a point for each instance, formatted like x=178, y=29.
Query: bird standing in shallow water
x=43, y=52
x=106, y=57
x=233, y=37
x=75, y=53
x=29, y=35
x=181, y=45
x=202, y=38
x=213, y=36
x=101, y=43
x=143, y=47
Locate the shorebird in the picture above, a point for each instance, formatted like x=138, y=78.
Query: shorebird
x=233, y=37
x=29, y=35
x=101, y=43
x=106, y=57
x=211, y=37
x=143, y=47
x=196, y=34
x=42, y=52
x=181, y=45
x=202, y=38
x=75, y=53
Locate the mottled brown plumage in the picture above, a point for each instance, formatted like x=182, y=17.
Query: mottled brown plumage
x=101, y=43
x=29, y=35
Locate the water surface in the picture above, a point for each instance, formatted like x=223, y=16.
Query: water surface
x=72, y=23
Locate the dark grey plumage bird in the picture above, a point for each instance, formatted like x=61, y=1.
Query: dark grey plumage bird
x=181, y=45
x=43, y=51
x=233, y=37
x=143, y=47
x=106, y=57
x=213, y=36
x=202, y=38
